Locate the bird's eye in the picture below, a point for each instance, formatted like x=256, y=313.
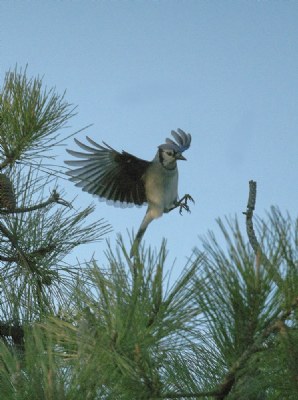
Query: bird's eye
x=169, y=153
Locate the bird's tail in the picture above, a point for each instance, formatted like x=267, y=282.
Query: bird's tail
x=136, y=243
x=135, y=246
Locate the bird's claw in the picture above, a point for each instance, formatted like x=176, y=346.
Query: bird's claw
x=182, y=204
x=183, y=207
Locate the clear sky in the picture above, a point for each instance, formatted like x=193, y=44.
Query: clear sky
x=225, y=71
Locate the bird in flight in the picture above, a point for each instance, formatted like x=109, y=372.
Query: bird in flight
x=126, y=180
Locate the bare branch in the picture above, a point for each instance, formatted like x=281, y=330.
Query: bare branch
x=260, y=255
x=249, y=214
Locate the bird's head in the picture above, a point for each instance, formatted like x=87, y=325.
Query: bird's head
x=170, y=151
x=168, y=157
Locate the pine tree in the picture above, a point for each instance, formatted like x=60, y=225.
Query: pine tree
x=38, y=228
x=225, y=329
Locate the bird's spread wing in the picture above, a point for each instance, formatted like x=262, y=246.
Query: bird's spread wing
x=102, y=171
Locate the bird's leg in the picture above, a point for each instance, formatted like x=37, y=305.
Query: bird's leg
x=182, y=203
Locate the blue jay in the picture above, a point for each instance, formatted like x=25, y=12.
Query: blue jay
x=121, y=178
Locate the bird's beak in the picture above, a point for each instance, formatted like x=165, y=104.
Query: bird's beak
x=179, y=156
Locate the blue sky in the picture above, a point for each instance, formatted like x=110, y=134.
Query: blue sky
x=225, y=71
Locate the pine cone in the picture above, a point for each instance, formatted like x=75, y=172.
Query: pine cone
x=7, y=195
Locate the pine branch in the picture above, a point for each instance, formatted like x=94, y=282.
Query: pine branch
x=54, y=198
x=16, y=332
x=228, y=382
x=40, y=252
x=30, y=118
x=185, y=395
x=5, y=163
x=8, y=259
x=22, y=256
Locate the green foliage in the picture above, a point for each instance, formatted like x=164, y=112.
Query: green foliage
x=250, y=305
x=34, y=374
x=30, y=118
x=225, y=329
x=123, y=335
x=129, y=329
x=38, y=228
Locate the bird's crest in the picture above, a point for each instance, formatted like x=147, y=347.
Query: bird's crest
x=182, y=139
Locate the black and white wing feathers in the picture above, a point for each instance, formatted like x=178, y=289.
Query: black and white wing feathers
x=108, y=174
